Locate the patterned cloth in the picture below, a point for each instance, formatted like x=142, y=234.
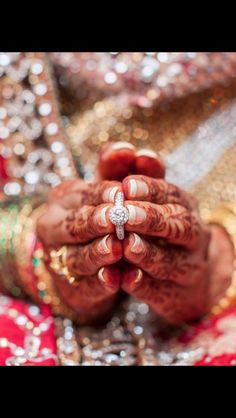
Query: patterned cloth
x=27, y=334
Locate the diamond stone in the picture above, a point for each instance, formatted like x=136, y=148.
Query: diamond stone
x=119, y=215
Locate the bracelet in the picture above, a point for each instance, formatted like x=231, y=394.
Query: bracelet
x=17, y=237
x=9, y=225
x=225, y=216
x=25, y=242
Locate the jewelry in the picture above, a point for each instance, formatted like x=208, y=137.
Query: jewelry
x=119, y=215
x=58, y=264
x=46, y=289
x=25, y=243
x=9, y=226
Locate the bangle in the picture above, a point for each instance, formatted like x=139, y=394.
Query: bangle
x=225, y=216
x=9, y=225
x=17, y=236
x=25, y=242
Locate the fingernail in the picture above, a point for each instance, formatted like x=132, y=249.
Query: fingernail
x=101, y=216
x=102, y=246
x=138, y=277
x=146, y=153
x=137, y=246
x=101, y=275
x=137, y=188
x=109, y=194
x=121, y=145
x=137, y=215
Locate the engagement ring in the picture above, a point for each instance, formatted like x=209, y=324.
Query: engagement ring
x=119, y=215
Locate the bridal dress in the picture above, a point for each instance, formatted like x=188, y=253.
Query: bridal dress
x=56, y=111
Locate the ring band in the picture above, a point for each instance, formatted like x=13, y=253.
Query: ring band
x=120, y=233
x=119, y=215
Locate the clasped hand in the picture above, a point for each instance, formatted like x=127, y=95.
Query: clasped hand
x=163, y=259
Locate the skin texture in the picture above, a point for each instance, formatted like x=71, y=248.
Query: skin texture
x=171, y=258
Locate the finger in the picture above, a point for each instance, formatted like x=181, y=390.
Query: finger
x=162, y=263
x=87, y=259
x=91, y=294
x=116, y=161
x=156, y=191
x=56, y=194
x=149, y=163
x=76, y=193
x=173, y=222
x=105, y=191
x=76, y=226
x=91, y=194
x=168, y=299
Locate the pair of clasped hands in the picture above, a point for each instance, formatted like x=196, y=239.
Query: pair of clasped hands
x=163, y=259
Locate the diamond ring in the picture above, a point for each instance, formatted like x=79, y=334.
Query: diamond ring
x=119, y=215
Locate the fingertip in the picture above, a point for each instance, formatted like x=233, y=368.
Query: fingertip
x=133, y=247
x=122, y=145
x=137, y=215
x=101, y=221
x=149, y=163
x=110, y=192
x=135, y=187
x=109, y=278
x=146, y=152
x=132, y=278
x=110, y=248
x=116, y=160
x=129, y=187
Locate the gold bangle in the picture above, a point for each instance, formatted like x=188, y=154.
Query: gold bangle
x=9, y=225
x=24, y=242
x=59, y=264
x=16, y=218
x=225, y=216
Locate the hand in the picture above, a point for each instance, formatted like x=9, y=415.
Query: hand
x=173, y=263
x=77, y=216
x=174, y=257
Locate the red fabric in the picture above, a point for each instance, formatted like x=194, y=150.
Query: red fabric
x=11, y=328
x=3, y=171
x=216, y=336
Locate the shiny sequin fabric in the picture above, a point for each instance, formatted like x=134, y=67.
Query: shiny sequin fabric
x=32, y=139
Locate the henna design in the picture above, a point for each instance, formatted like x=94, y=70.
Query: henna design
x=89, y=223
x=175, y=284
x=77, y=193
x=158, y=191
x=87, y=259
x=168, y=299
x=92, y=299
x=171, y=221
x=165, y=262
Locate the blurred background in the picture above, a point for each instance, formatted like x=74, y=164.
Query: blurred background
x=181, y=105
